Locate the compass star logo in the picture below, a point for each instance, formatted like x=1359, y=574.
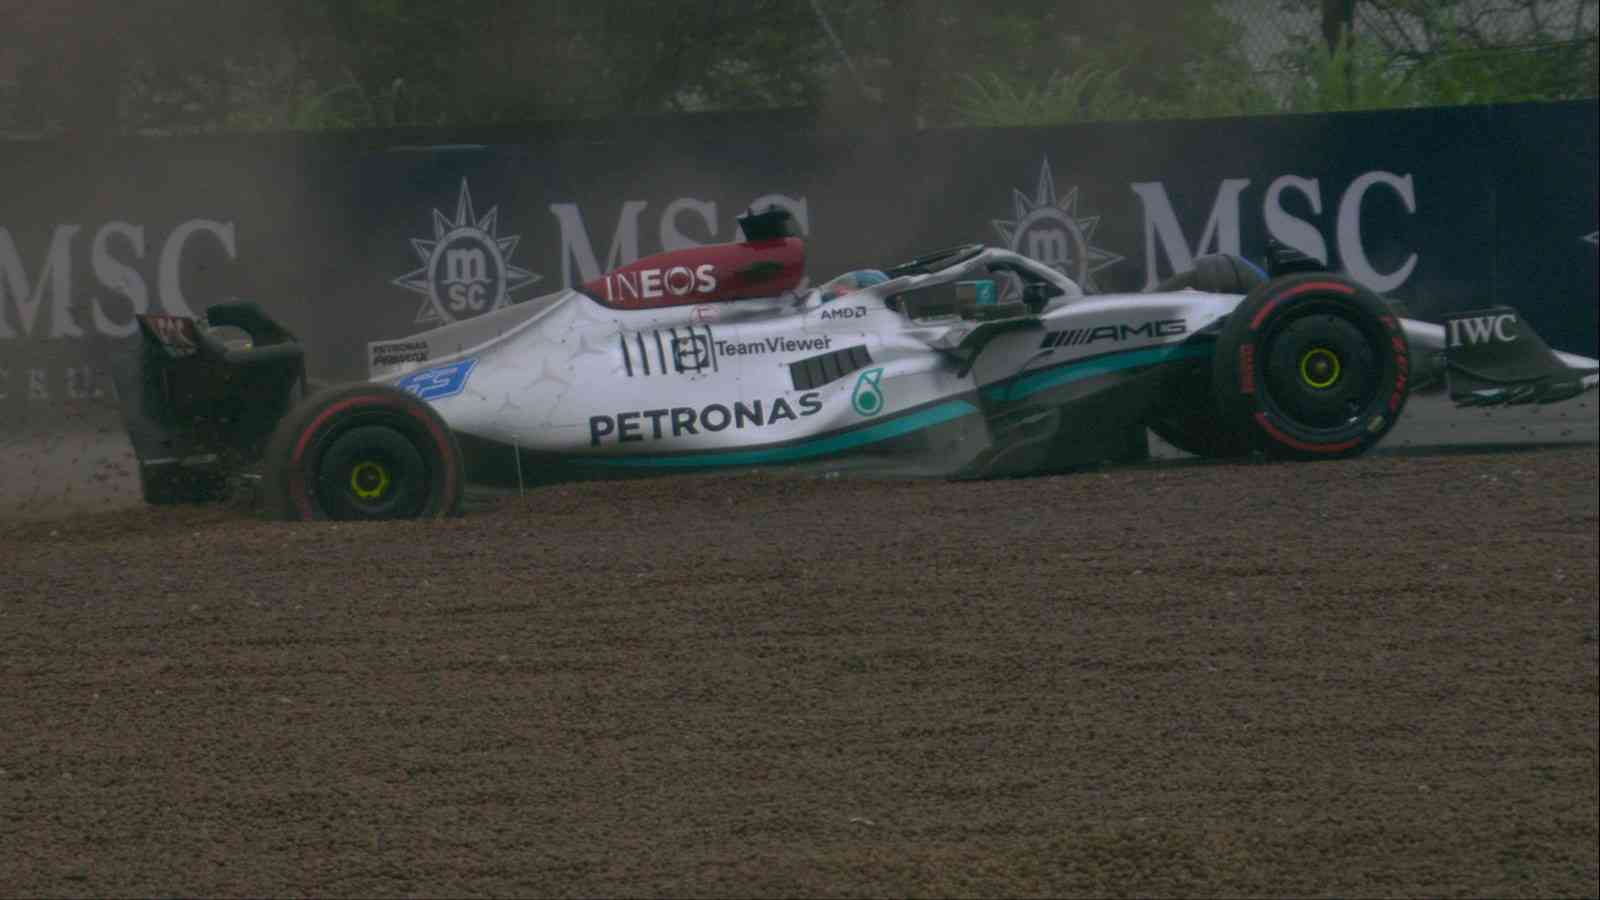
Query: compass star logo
x=1049, y=229
x=466, y=268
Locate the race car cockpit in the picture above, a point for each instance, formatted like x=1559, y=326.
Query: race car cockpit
x=850, y=281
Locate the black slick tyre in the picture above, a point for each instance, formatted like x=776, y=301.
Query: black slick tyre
x=1199, y=436
x=361, y=452
x=1189, y=420
x=1311, y=366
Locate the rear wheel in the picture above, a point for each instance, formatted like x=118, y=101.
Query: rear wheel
x=363, y=452
x=1311, y=366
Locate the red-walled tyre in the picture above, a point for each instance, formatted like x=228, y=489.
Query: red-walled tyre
x=1311, y=366
x=362, y=451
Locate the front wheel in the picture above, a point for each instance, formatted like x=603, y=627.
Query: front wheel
x=363, y=451
x=1311, y=366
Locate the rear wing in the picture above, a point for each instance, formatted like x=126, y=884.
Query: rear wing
x=190, y=397
x=1493, y=358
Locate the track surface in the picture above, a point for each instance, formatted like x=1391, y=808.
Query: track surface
x=1375, y=677
x=69, y=464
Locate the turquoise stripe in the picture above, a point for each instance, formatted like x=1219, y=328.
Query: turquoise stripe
x=916, y=421
x=883, y=431
x=1104, y=365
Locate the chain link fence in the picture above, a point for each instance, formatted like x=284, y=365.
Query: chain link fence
x=92, y=67
x=1548, y=35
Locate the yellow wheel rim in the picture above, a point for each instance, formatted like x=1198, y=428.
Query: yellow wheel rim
x=1319, y=367
x=369, y=480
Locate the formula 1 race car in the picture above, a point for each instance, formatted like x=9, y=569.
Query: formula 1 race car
x=969, y=362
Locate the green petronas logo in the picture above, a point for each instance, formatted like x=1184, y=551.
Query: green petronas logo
x=868, y=398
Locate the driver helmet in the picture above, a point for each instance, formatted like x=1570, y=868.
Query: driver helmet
x=852, y=281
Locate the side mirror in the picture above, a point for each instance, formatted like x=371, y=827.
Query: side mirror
x=1283, y=259
x=1036, y=294
x=772, y=223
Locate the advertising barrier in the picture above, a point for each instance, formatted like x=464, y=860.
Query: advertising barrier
x=359, y=237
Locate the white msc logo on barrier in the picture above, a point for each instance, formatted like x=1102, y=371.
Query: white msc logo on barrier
x=1050, y=230
x=466, y=268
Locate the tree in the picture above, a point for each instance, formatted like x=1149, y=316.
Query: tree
x=1134, y=59
x=90, y=67
x=1476, y=51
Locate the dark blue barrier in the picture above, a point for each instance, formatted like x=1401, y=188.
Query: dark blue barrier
x=355, y=237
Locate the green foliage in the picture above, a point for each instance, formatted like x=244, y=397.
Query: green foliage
x=349, y=105
x=1359, y=74
x=1364, y=75
x=1354, y=76
x=1131, y=59
x=1460, y=73
x=170, y=65
x=1220, y=91
x=1450, y=52
x=1088, y=94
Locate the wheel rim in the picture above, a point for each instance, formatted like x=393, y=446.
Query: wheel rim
x=1322, y=369
x=371, y=471
x=369, y=480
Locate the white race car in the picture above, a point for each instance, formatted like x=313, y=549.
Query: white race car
x=969, y=362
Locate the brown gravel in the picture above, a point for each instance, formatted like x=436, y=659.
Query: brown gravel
x=1375, y=677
